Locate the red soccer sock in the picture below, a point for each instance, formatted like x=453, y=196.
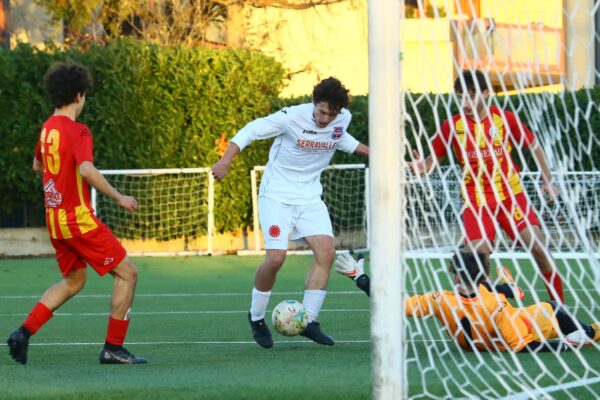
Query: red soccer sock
x=554, y=281
x=117, y=330
x=39, y=315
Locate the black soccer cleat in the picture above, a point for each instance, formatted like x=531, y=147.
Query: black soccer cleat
x=121, y=356
x=260, y=332
x=17, y=346
x=313, y=332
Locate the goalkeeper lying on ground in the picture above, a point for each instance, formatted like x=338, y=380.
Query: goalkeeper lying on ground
x=480, y=318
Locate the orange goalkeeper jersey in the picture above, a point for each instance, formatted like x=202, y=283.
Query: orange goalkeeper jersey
x=495, y=324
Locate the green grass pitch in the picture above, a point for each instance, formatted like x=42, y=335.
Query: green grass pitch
x=190, y=322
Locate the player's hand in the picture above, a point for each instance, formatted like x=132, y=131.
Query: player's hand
x=219, y=170
x=551, y=191
x=129, y=203
x=346, y=265
x=417, y=167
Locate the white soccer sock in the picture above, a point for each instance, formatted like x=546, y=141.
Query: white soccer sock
x=259, y=304
x=313, y=301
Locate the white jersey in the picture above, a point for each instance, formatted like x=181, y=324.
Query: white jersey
x=299, y=153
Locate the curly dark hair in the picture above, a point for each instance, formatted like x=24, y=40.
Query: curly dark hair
x=472, y=267
x=332, y=92
x=65, y=80
x=473, y=79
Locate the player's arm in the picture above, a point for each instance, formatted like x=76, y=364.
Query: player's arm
x=522, y=134
x=362, y=150
x=261, y=128
x=89, y=172
x=346, y=265
x=423, y=167
x=219, y=170
x=38, y=167
x=439, y=143
x=547, y=183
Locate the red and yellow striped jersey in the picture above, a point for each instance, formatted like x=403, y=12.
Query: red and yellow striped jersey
x=484, y=153
x=495, y=324
x=64, y=144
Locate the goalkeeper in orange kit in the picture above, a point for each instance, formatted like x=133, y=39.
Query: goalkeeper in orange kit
x=479, y=317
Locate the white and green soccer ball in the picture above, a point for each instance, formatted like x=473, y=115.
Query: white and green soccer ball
x=289, y=318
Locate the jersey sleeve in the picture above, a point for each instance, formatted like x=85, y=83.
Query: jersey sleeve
x=262, y=128
x=347, y=143
x=439, y=143
x=519, y=132
x=421, y=305
x=83, y=147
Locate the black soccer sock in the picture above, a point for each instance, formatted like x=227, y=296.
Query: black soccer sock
x=25, y=332
x=112, y=347
x=364, y=283
x=567, y=324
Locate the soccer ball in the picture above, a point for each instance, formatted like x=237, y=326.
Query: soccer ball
x=289, y=318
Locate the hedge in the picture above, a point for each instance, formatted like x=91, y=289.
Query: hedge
x=151, y=107
x=162, y=107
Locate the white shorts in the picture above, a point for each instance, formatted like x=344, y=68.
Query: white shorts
x=282, y=222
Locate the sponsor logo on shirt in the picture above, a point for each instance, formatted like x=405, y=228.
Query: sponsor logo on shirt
x=315, y=145
x=484, y=154
x=52, y=198
x=274, y=231
x=338, y=131
x=309, y=132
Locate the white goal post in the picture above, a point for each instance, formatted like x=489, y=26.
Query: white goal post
x=175, y=215
x=345, y=192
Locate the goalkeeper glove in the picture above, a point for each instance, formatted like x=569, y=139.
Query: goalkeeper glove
x=345, y=264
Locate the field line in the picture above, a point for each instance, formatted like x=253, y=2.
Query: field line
x=183, y=312
x=540, y=392
x=184, y=343
x=225, y=294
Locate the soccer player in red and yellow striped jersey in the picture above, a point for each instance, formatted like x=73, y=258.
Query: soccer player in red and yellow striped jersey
x=64, y=158
x=482, y=138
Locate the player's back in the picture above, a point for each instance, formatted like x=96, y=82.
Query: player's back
x=64, y=144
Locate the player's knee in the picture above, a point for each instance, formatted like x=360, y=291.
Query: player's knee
x=275, y=259
x=75, y=284
x=126, y=271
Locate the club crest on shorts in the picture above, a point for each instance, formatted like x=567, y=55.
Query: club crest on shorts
x=338, y=131
x=274, y=231
x=493, y=131
x=108, y=260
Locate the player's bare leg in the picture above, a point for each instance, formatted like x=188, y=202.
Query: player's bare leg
x=125, y=279
x=263, y=283
x=52, y=299
x=267, y=271
x=316, y=285
x=534, y=240
x=58, y=294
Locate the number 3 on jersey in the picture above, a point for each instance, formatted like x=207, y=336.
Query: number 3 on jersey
x=52, y=159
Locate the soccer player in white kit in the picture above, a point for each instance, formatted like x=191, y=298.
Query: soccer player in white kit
x=289, y=200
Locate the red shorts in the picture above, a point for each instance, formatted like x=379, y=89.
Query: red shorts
x=513, y=215
x=99, y=248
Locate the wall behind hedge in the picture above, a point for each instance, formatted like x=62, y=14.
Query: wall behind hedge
x=161, y=107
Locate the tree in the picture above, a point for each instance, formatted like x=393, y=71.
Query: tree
x=184, y=22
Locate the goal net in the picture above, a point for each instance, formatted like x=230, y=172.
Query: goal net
x=345, y=192
x=175, y=214
x=537, y=57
